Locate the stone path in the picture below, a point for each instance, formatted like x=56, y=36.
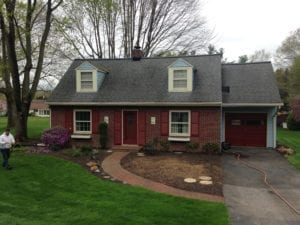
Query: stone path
x=112, y=166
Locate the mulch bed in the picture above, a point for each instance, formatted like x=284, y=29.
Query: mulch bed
x=171, y=169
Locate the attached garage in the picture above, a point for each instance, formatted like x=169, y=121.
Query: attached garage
x=246, y=129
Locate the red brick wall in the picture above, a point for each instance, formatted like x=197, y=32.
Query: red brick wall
x=209, y=124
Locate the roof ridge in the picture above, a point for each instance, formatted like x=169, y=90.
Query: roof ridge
x=247, y=63
x=147, y=58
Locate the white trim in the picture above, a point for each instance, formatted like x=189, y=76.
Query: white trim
x=137, y=103
x=78, y=81
x=137, y=125
x=275, y=129
x=74, y=121
x=251, y=104
x=181, y=139
x=170, y=124
x=81, y=136
x=189, y=79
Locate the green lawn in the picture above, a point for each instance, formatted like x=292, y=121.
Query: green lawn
x=43, y=190
x=36, y=125
x=291, y=139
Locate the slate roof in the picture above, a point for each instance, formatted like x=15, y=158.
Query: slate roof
x=250, y=83
x=143, y=81
x=146, y=81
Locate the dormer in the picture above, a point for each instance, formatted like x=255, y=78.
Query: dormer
x=180, y=75
x=89, y=78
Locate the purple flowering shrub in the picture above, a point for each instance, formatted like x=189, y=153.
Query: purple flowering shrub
x=56, y=138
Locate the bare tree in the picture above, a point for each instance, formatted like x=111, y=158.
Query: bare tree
x=259, y=56
x=111, y=28
x=289, y=50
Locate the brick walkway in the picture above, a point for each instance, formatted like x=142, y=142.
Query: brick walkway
x=111, y=165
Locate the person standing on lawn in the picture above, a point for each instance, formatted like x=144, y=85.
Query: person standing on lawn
x=6, y=142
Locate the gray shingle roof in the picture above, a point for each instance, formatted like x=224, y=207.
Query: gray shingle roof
x=250, y=83
x=144, y=81
x=147, y=81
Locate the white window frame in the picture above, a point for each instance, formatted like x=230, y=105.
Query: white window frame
x=78, y=81
x=189, y=79
x=189, y=124
x=41, y=112
x=74, y=121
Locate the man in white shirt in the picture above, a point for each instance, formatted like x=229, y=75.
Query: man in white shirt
x=6, y=142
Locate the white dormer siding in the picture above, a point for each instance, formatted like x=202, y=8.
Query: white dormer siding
x=88, y=78
x=180, y=76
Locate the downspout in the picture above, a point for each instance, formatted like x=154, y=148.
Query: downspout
x=275, y=126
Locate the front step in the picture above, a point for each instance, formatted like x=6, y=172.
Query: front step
x=126, y=147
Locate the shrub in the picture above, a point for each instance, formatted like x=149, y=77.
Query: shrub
x=211, y=148
x=292, y=124
x=56, y=138
x=86, y=150
x=192, y=146
x=165, y=145
x=103, y=134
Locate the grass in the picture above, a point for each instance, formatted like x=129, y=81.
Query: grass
x=291, y=139
x=36, y=125
x=43, y=190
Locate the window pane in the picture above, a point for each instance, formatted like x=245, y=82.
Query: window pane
x=86, y=76
x=180, y=74
x=82, y=116
x=180, y=84
x=179, y=128
x=86, y=84
x=83, y=126
x=180, y=117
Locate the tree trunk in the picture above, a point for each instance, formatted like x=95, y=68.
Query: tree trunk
x=11, y=111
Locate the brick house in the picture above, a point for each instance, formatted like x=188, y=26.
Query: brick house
x=184, y=99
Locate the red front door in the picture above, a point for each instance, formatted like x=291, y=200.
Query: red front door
x=130, y=127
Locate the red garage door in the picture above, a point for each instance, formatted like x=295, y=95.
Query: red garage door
x=246, y=129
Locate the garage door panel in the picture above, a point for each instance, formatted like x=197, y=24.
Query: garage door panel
x=246, y=129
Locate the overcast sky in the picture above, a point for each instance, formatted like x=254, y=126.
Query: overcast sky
x=243, y=26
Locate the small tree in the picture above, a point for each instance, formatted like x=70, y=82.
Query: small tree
x=103, y=134
x=292, y=124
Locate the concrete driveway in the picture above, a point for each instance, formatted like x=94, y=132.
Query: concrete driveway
x=248, y=199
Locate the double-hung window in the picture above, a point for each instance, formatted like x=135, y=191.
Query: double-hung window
x=86, y=80
x=180, y=79
x=82, y=121
x=180, y=123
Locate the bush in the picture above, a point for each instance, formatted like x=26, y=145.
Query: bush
x=192, y=146
x=103, y=134
x=56, y=138
x=86, y=150
x=165, y=145
x=211, y=148
x=292, y=124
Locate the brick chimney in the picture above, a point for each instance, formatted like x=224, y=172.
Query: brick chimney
x=137, y=53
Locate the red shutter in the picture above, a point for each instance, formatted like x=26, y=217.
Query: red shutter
x=164, y=123
x=118, y=127
x=69, y=120
x=195, y=124
x=142, y=128
x=95, y=121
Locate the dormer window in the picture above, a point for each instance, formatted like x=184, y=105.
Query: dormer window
x=89, y=78
x=86, y=81
x=180, y=76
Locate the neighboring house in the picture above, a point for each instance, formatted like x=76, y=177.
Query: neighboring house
x=39, y=108
x=180, y=99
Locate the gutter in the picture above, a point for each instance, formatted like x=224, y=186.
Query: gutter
x=136, y=103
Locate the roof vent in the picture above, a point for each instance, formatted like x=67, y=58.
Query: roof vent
x=226, y=89
x=137, y=53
